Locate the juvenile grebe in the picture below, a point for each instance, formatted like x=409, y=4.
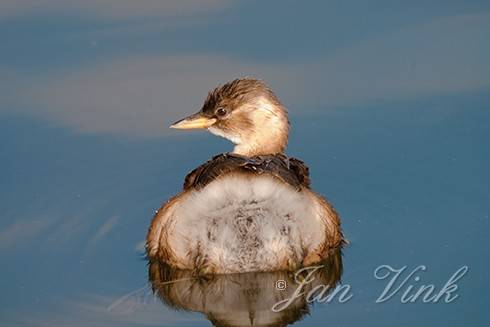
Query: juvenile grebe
x=252, y=209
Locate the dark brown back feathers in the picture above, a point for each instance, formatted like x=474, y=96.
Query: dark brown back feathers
x=289, y=170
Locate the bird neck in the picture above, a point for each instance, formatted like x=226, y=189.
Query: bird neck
x=257, y=148
x=268, y=136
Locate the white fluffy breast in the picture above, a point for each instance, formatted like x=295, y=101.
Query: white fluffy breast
x=243, y=223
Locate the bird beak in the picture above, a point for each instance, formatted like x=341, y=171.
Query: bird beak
x=194, y=121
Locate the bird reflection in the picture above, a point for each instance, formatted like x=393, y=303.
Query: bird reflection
x=246, y=299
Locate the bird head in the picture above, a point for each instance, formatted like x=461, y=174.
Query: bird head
x=246, y=112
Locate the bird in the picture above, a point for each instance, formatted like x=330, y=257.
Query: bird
x=251, y=209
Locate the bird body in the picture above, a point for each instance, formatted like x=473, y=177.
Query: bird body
x=250, y=210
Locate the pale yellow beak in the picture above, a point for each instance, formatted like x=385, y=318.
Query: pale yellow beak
x=194, y=121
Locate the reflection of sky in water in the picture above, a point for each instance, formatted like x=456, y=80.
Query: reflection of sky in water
x=389, y=105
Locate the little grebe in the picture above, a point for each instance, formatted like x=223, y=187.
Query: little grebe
x=249, y=210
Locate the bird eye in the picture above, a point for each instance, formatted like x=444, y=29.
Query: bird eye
x=221, y=112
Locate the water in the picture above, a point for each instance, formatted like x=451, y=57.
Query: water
x=410, y=184
x=394, y=126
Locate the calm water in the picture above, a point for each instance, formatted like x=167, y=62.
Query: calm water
x=410, y=183
x=392, y=116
